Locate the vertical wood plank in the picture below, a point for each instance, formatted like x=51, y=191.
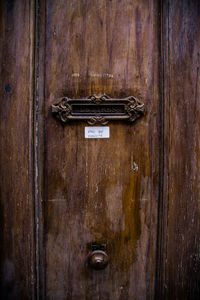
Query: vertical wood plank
x=89, y=189
x=40, y=144
x=16, y=184
x=180, y=254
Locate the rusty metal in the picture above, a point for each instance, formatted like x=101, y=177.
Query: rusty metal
x=98, y=109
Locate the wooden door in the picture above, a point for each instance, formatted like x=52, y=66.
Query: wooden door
x=135, y=194
x=100, y=191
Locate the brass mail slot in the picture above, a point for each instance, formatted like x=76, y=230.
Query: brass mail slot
x=98, y=109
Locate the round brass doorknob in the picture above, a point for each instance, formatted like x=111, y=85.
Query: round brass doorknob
x=98, y=259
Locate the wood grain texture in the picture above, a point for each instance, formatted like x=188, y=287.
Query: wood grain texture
x=180, y=265
x=81, y=191
x=91, y=192
x=16, y=211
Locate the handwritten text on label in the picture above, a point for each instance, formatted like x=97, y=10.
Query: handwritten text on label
x=97, y=132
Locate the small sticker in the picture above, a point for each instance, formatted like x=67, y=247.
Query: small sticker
x=97, y=132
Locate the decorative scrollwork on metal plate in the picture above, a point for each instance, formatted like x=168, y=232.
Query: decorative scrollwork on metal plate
x=98, y=109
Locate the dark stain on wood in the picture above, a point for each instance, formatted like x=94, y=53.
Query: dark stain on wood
x=180, y=220
x=16, y=219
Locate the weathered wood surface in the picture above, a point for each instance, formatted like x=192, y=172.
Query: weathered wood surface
x=180, y=217
x=92, y=191
x=16, y=221
x=106, y=191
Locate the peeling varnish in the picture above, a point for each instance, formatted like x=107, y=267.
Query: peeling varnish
x=134, y=167
x=56, y=200
x=95, y=75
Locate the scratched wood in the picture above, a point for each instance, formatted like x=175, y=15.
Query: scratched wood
x=16, y=210
x=102, y=190
x=180, y=218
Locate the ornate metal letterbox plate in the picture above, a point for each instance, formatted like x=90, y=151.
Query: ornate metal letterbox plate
x=98, y=109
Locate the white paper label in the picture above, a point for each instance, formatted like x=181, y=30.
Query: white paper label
x=97, y=132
